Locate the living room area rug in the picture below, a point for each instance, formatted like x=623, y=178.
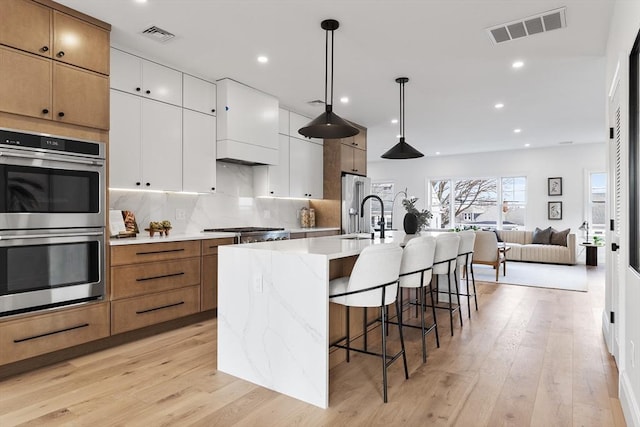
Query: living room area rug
x=567, y=277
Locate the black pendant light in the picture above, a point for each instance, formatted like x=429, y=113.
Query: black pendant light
x=402, y=150
x=328, y=124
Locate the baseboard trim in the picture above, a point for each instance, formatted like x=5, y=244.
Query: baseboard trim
x=606, y=331
x=629, y=401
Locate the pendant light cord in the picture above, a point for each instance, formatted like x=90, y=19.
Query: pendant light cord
x=401, y=109
x=326, y=64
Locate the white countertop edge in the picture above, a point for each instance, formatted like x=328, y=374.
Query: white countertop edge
x=311, y=230
x=144, y=238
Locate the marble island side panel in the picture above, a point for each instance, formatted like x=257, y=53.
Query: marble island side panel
x=273, y=320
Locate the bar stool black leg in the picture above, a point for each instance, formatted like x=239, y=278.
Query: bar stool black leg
x=450, y=303
x=384, y=355
x=404, y=354
x=347, y=335
x=433, y=311
x=473, y=280
x=455, y=275
x=466, y=275
x=364, y=327
x=424, y=340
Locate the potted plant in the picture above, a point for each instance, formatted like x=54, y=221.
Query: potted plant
x=415, y=219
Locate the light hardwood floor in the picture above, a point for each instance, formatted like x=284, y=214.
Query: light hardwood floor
x=530, y=356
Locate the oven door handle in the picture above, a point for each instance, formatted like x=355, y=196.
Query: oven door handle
x=57, y=159
x=41, y=236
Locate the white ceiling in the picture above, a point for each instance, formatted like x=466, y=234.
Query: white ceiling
x=456, y=73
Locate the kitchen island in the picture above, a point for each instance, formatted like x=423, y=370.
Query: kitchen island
x=273, y=311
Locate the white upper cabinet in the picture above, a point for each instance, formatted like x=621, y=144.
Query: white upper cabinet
x=145, y=144
x=297, y=121
x=273, y=180
x=132, y=74
x=198, y=152
x=198, y=95
x=283, y=116
x=247, y=124
x=306, y=169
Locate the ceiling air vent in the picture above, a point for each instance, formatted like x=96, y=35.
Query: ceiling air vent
x=528, y=26
x=158, y=34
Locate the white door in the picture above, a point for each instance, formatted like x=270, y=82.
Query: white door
x=124, y=141
x=198, y=152
x=198, y=95
x=126, y=72
x=615, y=269
x=161, y=146
x=161, y=83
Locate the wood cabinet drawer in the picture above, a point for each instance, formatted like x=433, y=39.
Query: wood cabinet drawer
x=33, y=336
x=210, y=246
x=140, y=279
x=138, y=312
x=131, y=254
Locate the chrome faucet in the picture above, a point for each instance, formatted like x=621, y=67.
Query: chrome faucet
x=381, y=222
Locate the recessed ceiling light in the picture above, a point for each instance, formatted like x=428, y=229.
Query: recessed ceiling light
x=527, y=145
x=263, y=59
x=394, y=121
x=140, y=1
x=499, y=105
x=517, y=64
x=517, y=130
x=437, y=153
x=344, y=99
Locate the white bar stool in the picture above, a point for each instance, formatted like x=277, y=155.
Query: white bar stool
x=465, y=255
x=445, y=263
x=415, y=272
x=373, y=283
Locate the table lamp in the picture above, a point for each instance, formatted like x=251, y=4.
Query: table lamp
x=585, y=227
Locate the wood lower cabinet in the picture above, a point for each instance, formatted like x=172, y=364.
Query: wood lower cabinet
x=302, y=235
x=209, y=296
x=39, y=334
x=153, y=283
x=137, y=312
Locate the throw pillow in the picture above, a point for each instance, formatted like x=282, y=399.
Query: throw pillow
x=497, y=235
x=541, y=237
x=559, y=237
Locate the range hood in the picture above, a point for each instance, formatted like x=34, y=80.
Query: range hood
x=247, y=122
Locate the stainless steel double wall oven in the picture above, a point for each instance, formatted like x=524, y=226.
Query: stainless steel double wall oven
x=52, y=221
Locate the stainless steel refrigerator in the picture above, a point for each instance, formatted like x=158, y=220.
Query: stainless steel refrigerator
x=354, y=189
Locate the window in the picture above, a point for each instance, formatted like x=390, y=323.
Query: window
x=480, y=202
x=440, y=194
x=384, y=190
x=514, y=201
x=597, y=199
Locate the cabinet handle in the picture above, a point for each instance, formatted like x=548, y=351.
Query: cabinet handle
x=61, y=114
x=160, y=308
x=148, y=92
x=44, y=48
x=213, y=188
x=137, y=89
x=60, y=54
x=148, y=184
x=213, y=110
x=270, y=192
x=142, y=279
x=45, y=111
x=137, y=183
x=71, y=328
x=160, y=252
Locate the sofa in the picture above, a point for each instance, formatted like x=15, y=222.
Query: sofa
x=523, y=248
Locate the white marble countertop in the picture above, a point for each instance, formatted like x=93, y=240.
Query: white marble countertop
x=333, y=247
x=144, y=238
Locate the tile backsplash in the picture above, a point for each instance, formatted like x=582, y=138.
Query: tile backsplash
x=233, y=205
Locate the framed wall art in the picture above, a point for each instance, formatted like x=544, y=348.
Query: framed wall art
x=554, y=186
x=554, y=210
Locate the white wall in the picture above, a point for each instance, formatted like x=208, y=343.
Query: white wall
x=624, y=27
x=569, y=162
